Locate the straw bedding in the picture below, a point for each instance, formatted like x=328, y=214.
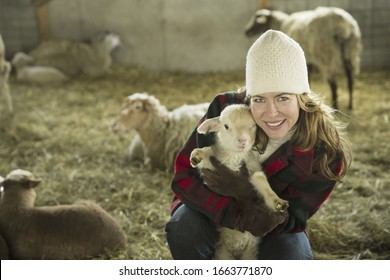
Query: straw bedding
x=60, y=133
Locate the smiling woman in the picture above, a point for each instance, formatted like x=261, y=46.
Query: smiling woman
x=300, y=144
x=275, y=113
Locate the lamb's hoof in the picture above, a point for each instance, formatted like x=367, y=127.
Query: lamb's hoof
x=195, y=161
x=195, y=158
x=281, y=206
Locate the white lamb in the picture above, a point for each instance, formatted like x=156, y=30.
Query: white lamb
x=329, y=36
x=35, y=74
x=5, y=70
x=235, y=136
x=73, y=58
x=79, y=231
x=161, y=133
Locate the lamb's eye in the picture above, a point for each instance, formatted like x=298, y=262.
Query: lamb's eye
x=226, y=126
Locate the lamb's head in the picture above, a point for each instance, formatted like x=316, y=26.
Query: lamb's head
x=135, y=111
x=21, y=178
x=106, y=40
x=235, y=127
x=21, y=60
x=264, y=20
x=258, y=23
x=18, y=187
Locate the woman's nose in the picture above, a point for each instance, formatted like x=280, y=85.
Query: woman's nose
x=272, y=110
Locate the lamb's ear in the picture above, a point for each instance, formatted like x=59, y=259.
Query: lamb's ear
x=209, y=125
x=32, y=183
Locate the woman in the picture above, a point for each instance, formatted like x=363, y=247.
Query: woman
x=302, y=148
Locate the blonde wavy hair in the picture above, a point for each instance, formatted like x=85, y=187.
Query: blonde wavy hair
x=317, y=125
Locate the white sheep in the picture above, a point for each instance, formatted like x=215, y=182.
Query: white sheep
x=329, y=36
x=22, y=62
x=234, y=140
x=79, y=231
x=5, y=70
x=73, y=58
x=161, y=133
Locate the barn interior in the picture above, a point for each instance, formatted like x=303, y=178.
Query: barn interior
x=181, y=52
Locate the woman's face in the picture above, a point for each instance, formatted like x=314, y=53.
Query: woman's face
x=276, y=113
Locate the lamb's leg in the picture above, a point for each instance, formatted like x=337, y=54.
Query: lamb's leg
x=259, y=180
x=333, y=86
x=137, y=150
x=200, y=157
x=222, y=253
x=224, y=244
x=5, y=69
x=251, y=252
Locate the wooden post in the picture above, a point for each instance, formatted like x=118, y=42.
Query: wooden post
x=43, y=18
x=264, y=4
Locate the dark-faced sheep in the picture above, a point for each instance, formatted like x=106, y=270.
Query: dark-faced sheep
x=82, y=230
x=330, y=38
x=235, y=136
x=161, y=133
x=73, y=58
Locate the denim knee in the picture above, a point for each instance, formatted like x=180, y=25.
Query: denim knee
x=190, y=235
x=286, y=246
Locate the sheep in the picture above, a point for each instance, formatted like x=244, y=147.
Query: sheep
x=161, y=133
x=81, y=230
x=235, y=137
x=74, y=58
x=5, y=70
x=35, y=74
x=329, y=36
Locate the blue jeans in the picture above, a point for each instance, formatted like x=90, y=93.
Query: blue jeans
x=192, y=236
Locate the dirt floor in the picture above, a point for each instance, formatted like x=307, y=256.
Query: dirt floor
x=60, y=133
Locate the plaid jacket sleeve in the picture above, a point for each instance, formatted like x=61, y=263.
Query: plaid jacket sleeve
x=187, y=184
x=295, y=176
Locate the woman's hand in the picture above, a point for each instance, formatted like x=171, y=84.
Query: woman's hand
x=249, y=212
x=226, y=182
x=252, y=215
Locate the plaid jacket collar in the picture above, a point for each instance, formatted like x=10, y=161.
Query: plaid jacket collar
x=280, y=159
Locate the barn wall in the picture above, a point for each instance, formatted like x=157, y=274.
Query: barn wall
x=18, y=25
x=184, y=35
x=189, y=35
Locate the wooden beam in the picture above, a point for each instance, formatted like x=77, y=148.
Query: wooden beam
x=264, y=4
x=43, y=22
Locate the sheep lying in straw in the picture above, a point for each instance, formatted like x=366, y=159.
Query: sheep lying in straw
x=74, y=58
x=78, y=231
x=35, y=74
x=162, y=133
x=330, y=38
x=235, y=136
x=5, y=69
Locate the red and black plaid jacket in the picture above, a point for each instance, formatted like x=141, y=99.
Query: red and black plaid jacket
x=293, y=174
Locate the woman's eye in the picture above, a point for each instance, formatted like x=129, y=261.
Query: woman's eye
x=257, y=100
x=226, y=126
x=283, y=98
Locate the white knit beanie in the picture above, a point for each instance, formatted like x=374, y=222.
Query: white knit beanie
x=276, y=63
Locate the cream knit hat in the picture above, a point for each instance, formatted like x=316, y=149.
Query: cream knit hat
x=276, y=63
